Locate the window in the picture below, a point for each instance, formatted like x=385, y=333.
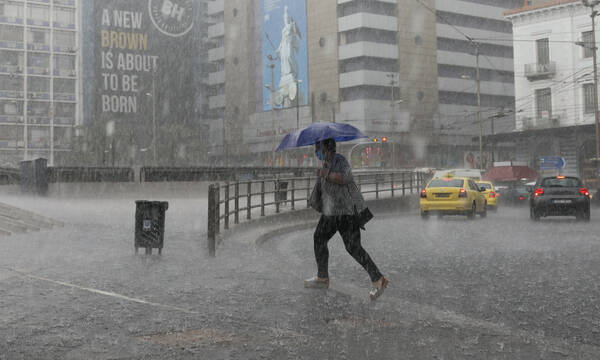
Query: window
x=39, y=37
x=588, y=98
x=473, y=186
x=11, y=33
x=62, y=137
x=38, y=84
x=11, y=9
x=64, y=39
x=457, y=183
x=64, y=15
x=11, y=83
x=64, y=110
x=39, y=138
x=543, y=51
x=11, y=58
x=543, y=100
x=38, y=60
x=588, y=45
x=64, y=86
x=38, y=12
x=64, y=62
x=561, y=182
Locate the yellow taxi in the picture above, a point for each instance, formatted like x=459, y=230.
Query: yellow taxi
x=490, y=194
x=453, y=196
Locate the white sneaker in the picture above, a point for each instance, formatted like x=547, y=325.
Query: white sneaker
x=316, y=283
x=378, y=288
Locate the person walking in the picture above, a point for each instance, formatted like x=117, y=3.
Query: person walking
x=337, y=198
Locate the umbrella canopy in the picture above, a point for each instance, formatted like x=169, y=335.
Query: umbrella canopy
x=316, y=132
x=509, y=173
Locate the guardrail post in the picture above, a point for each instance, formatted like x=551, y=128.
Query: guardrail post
x=376, y=187
x=237, y=203
x=226, y=225
x=412, y=175
x=392, y=183
x=403, y=184
x=276, y=196
x=212, y=213
x=308, y=190
x=218, y=208
x=293, y=192
x=262, y=198
x=249, y=201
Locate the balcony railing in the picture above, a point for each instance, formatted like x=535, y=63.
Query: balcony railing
x=530, y=123
x=540, y=70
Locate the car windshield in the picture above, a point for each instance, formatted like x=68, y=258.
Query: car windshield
x=561, y=182
x=521, y=189
x=446, y=183
x=485, y=185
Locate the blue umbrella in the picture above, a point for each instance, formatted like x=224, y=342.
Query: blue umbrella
x=320, y=131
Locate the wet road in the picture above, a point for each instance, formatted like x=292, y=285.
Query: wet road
x=495, y=288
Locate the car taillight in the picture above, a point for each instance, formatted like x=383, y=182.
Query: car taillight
x=492, y=195
x=538, y=192
x=584, y=192
x=521, y=198
x=462, y=193
x=423, y=193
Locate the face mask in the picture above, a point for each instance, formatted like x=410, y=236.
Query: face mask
x=320, y=155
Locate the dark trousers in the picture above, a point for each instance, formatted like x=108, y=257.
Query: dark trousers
x=350, y=232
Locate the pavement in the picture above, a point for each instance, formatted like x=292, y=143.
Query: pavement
x=495, y=288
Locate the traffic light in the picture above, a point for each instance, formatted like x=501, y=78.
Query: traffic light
x=375, y=140
x=384, y=139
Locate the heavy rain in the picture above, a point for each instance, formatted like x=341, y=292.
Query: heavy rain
x=299, y=179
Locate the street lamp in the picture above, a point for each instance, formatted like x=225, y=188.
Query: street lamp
x=591, y=4
x=298, y=82
x=153, y=96
x=479, y=119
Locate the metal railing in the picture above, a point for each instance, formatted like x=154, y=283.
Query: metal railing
x=230, y=201
x=89, y=174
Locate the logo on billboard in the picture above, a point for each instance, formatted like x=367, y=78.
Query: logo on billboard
x=172, y=17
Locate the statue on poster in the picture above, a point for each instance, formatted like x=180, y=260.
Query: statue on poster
x=287, y=53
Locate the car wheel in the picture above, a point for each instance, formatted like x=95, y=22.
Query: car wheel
x=534, y=215
x=424, y=215
x=473, y=212
x=484, y=213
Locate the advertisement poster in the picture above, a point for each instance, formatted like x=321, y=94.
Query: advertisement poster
x=142, y=48
x=284, y=53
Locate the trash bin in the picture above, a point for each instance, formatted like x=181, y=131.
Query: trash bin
x=34, y=176
x=150, y=225
x=40, y=171
x=26, y=178
x=281, y=191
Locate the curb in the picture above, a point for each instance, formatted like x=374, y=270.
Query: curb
x=304, y=226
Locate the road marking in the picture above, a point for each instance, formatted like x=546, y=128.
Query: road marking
x=105, y=293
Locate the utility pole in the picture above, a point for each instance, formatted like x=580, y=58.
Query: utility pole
x=297, y=105
x=591, y=4
x=154, y=158
x=479, y=108
x=271, y=88
x=392, y=77
x=595, y=57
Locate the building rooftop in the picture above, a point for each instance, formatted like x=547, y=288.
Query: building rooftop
x=537, y=5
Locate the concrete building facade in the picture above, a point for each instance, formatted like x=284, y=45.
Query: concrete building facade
x=39, y=79
x=554, y=83
x=364, y=68
x=484, y=22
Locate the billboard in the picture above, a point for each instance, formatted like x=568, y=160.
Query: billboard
x=144, y=53
x=284, y=53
